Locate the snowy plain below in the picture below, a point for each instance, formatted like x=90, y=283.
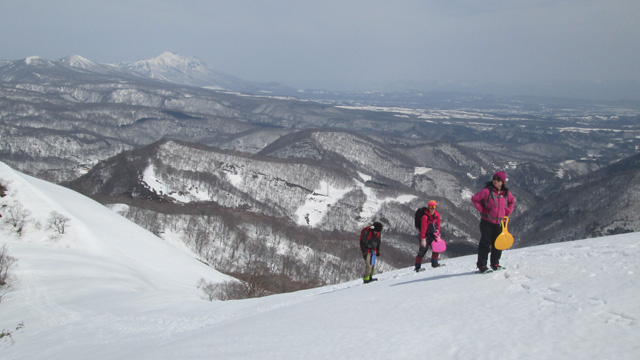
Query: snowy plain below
x=108, y=289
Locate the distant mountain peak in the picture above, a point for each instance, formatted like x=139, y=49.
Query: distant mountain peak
x=36, y=61
x=171, y=57
x=171, y=67
x=168, y=66
x=189, y=70
x=78, y=62
x=170, y=62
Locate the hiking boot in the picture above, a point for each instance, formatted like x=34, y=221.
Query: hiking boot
x=484, y=269
x=417, y=269
x=435, y=263
x=497, y=267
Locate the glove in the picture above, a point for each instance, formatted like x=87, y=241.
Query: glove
x=423, y=242
x=364, y=255
x=377, y=252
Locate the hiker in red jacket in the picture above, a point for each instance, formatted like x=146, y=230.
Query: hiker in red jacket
x=429, y=227
x=370, y=247
x=494, y=202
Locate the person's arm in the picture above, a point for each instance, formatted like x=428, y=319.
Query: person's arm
x=479, y=198
x=424, y=226
x=511, y=202
x=363, y=238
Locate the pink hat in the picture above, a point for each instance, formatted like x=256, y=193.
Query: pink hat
x=501, y=175
x=432, y=203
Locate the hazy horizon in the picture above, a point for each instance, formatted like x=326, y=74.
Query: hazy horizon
x=493, y=46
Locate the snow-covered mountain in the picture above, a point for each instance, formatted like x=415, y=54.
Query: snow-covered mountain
x=180, y=69
x=79, y=62
x=206, y=194
x=106, y=289
x=604, y=202
x=167, y=67
x=242, y=212
x=59, y=119
x=189, y=70
x=31, y=69
x=67, y=74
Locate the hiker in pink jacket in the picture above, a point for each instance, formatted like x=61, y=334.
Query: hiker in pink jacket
x=430, y=226
x=494, y=202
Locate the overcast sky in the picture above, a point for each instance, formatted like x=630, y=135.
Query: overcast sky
x=342, y=44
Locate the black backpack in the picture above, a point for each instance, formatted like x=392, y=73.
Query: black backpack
x=418, y=217
x=364, y=243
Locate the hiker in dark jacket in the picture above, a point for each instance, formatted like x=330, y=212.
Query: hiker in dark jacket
x=430, y=226
x=494, y=202
x=370, y=239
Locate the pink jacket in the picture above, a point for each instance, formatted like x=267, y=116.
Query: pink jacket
x=493, y=209
x=427, y=219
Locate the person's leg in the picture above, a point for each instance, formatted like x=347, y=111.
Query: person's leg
x=422, y=251
x=485, y=244
x=495, y=253
x=434, y=259
x=434, y=255
x=368, y=271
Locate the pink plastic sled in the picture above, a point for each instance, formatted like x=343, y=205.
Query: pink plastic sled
x=438, y=245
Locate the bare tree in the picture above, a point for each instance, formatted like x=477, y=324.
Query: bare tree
x=16, y=216
x=228, y=290
x=6, y=262
x=58, y=222
x=209, y=288
x=6, y=333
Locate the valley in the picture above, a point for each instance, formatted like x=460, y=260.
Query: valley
x=273, y=185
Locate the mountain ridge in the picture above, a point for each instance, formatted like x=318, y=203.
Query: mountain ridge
x=332, y=167
x=107, y=289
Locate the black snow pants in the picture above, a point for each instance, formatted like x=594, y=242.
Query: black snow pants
x=488, y=234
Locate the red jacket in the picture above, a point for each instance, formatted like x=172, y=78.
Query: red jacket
x=428, y=219
x=370, y=240
x=493, y=208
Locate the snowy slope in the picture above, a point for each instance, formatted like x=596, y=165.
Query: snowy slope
x=109, y=290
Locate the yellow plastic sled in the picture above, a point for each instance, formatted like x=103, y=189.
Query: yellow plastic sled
x=504, y=240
